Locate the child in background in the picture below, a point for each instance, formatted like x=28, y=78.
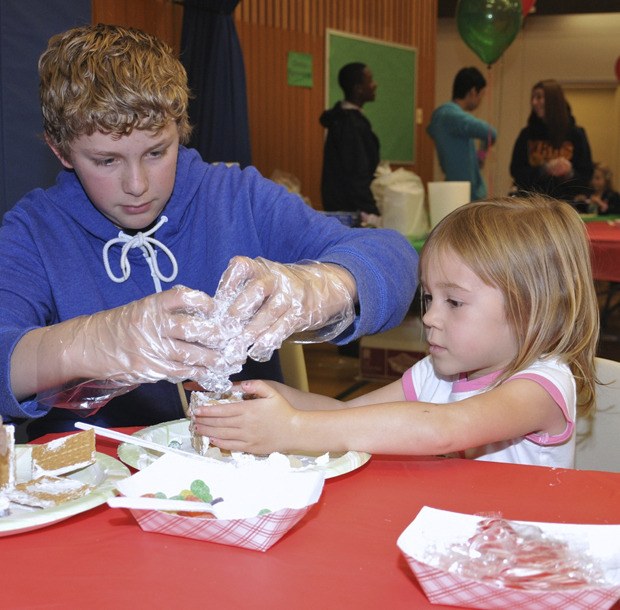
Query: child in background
x=604, y=198
x=511, y=319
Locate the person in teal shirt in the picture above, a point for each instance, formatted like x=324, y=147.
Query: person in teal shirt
x=454, y=129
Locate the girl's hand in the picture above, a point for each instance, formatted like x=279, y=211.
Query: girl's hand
x=601, y=203
x=260, y=425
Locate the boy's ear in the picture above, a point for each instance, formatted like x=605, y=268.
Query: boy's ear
x=66, y=162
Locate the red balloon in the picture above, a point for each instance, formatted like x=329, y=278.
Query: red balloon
x=526, y=6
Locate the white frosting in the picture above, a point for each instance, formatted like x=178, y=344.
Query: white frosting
x=9, y=431
x=37, y=471
x=57, y=444
x=53, y=486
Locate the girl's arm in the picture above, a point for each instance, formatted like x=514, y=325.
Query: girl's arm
x=307, y=401
x=269, y=423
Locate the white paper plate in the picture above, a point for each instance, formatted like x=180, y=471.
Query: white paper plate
x=176, y=434
x=102, y=475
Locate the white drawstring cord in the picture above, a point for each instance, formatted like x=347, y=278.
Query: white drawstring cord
x=145, y=242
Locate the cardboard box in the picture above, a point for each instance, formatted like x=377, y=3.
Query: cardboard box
x=386, y=356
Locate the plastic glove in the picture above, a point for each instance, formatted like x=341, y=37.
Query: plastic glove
x=172, y=335
x=312, y=301
x=87, y=397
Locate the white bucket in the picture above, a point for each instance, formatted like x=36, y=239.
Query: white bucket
x=444, y=197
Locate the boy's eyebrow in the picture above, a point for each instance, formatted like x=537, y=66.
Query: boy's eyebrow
x=164, y=141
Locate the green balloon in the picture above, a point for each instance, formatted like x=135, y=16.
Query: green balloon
x=488, y=27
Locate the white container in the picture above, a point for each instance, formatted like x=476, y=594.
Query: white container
x=445, y=197
x=433, y=530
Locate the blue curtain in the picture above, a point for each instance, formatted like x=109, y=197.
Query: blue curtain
x=211, y=54
x=25, y=160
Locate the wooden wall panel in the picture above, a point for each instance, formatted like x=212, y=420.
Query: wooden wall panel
x=285, y=132
x=162, y=18
x=284, y=121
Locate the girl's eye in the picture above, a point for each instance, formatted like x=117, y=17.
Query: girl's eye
x=454, y=303
x=104, y=162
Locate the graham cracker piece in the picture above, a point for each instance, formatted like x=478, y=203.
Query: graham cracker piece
x=47, y=491
x=7, y=460
x=200, y=443
x=64, y=455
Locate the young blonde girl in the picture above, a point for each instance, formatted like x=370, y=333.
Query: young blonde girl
x=604, y=196
x=511, y=319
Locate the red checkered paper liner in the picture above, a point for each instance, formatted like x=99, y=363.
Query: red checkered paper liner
x=255, y=533
x=452, y=590
x=433, y=531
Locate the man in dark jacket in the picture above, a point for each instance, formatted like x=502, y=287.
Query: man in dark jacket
x=351, y=153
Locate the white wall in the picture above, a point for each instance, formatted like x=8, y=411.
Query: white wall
x=580, y=51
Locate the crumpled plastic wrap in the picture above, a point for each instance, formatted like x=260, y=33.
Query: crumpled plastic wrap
x=308, y=301
x=519, y=556
x=183, y=334
x=87, y=396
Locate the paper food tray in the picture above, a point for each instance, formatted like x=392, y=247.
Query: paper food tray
x=434, y=530
x=247, y=491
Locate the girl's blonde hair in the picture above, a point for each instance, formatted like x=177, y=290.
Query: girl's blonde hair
x=111, y=79
x=535, y=250
x=607, y=175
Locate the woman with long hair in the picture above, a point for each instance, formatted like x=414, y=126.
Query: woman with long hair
x=552, y=153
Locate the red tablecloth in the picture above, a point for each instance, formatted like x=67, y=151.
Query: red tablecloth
x=343, y=554
x=605, y=245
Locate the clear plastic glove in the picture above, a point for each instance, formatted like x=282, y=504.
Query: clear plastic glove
x=172, y=335
x=312, y=301
x=87, y=397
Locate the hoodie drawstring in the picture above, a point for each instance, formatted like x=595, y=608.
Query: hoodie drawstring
x=146, y=243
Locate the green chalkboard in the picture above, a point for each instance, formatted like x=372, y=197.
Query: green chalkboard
x=394, y=69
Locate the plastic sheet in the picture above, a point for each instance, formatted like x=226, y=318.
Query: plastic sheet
x=520, y=556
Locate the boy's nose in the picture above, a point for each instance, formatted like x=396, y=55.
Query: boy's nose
x=135, y=181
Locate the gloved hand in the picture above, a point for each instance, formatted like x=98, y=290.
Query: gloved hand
x=312, y=301
x=173, y=335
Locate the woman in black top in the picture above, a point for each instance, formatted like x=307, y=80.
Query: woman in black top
x=552, y=154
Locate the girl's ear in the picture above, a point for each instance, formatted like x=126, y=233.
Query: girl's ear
x=66, y=162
